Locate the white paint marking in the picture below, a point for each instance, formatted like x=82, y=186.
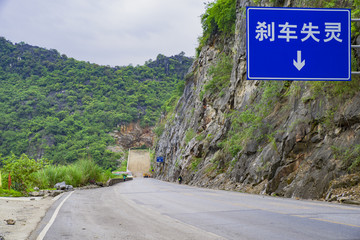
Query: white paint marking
x=299, y=64
x=52, y=220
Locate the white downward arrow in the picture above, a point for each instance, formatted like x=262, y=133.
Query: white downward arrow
x=299, y=64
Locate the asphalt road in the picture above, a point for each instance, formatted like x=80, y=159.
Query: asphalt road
x=151, y=209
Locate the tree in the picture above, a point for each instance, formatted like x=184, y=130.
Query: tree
x=21, y=170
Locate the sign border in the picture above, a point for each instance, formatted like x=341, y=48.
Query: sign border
x=248, y=77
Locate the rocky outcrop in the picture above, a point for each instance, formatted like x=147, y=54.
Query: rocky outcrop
x=291, y=139
x=63, y=186
x=46, y=193
x=129, y=136
x=132, y=136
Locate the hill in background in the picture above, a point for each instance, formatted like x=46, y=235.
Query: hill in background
x=62, y=109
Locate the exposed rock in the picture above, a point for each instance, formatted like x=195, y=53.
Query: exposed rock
x=35, y=194
x=60, y=186
x=345, y=189
x=45, y=193
x=63, y=186
x=10, y=221
x=132, y=135
x=251, y=147
x=100, y=184
x=55, y=193
x=348, y=200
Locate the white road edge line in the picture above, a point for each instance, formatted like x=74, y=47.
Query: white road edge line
x=52, y=220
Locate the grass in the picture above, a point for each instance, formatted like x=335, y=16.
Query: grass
x=190, y=134
x=349, y=155
x=10, y=193
x=78, y=174
x=220, y=76
x=195, y=163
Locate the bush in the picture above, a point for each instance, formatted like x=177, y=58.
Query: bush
x=21, y=170
x=220, y=17
x=355, y=13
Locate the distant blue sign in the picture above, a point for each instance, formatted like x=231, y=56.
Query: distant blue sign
x=160, y=159
x=298, y=44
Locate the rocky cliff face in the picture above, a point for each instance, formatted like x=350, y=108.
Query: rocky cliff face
x=128, y=136
x=292, y=139
x=133, y=136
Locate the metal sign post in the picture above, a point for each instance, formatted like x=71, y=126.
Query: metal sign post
x=355, y=46
x=298, y=44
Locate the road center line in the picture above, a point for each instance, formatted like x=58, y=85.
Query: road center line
x=52, y=220
x=325, y=220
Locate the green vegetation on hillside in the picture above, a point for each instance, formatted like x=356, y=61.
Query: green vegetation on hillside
x=56, y=107
x=219, y=19
x=249, y=125
x=220, y=76
x=349, y=156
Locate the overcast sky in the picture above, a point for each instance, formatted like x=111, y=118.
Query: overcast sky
x=106, y=32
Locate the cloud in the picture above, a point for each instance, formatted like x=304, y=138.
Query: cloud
x=107, y=32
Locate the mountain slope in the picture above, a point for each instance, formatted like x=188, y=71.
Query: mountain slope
x=57, y=107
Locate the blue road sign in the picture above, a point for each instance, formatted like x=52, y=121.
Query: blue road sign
x=160, y=159
x=298, y=44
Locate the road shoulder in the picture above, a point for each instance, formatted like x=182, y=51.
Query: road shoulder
x=27, y=212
